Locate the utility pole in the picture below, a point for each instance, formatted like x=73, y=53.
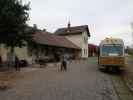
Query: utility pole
x=132, y=32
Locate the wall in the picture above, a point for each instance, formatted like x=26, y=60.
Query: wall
x=79, y=40
x=76, y=39
x=85, y=45
x=3, y=52
x=22, y=53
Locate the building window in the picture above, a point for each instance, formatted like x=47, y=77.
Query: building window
x=46, y=51
x=84, y=51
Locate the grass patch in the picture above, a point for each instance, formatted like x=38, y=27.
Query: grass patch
x=131, y=56
x=121, y=88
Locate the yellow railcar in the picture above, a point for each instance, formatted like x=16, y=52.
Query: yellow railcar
x=111, y=53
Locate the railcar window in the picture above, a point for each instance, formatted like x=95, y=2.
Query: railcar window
x=112, y=50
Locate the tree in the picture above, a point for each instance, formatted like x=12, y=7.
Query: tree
x=13, y=17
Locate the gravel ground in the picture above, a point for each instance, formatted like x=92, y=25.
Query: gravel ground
x=128, y=74
x=129, y=69
x=82, y=81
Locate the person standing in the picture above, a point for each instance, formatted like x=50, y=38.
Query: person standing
x=17, y=67
x=64, y=63
x=0, y=61
x=61, y=59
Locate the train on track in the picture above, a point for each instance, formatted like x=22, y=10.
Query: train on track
x=111, y=54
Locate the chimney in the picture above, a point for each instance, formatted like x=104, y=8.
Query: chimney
x=44, y=30
x=68, y=26
x=35, y=26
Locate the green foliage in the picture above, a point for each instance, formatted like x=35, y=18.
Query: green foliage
x=129, y=50
x=13, y=17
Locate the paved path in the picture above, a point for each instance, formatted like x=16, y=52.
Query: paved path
x=82, y=81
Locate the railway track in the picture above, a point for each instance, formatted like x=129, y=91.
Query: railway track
x=121, y=88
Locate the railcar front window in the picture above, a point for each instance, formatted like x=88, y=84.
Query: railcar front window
x=112, y=50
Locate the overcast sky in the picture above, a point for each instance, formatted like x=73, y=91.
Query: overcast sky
x=105, y=18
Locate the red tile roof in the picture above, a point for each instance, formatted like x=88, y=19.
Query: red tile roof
x=46, y=38
x=92, y=45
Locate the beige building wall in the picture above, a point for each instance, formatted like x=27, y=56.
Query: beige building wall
x=22, y=53
x=76, y=39
x=3, y=52
x=84, y=45
x=81, y=40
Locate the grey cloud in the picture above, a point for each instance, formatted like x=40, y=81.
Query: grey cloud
x=104, y=17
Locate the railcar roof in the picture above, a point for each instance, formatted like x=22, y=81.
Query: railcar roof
x=112, y=41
